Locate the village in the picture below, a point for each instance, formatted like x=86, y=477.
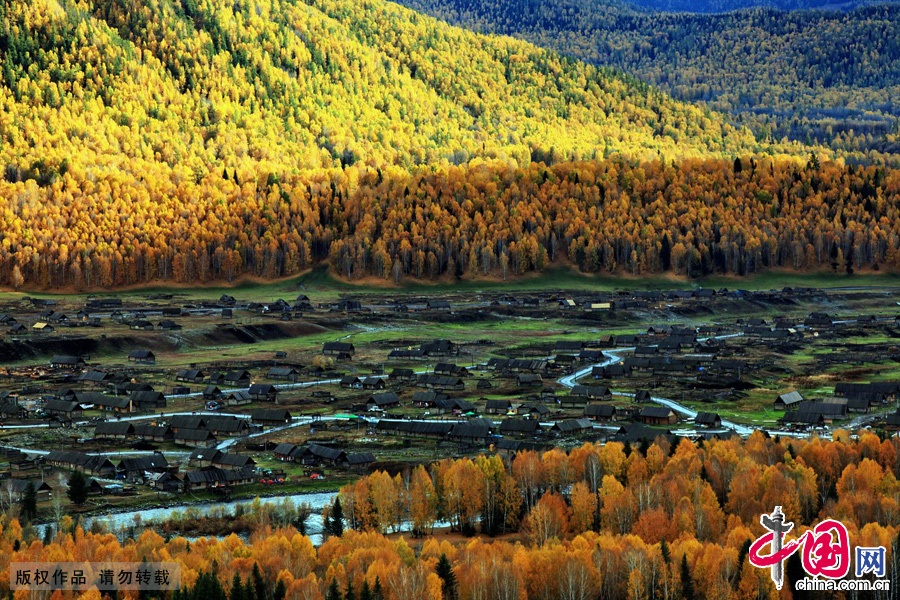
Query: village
x=159, y=398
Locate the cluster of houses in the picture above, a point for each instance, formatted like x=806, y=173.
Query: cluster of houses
x=595, y=301
x=138, y=317
x=214, y=469
x=426, y=351
x=198, y=431
x=860, y=398
x=319, y=454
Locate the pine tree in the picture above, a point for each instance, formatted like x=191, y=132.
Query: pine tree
x=664, y=551
x=335, y=524
x=377, y=592
x=794, y=572
x=280, y=590
x=444, y=570
x=334, y=592
x=29, y=502
x=259, y=586
x=349, y=594
x=78, y=489
x=742, y=556
x=366, y=592
x=665, y=253
x=143, y=593
x=237, y=588
x=687, y=584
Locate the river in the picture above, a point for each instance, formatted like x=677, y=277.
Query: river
x=115, y=521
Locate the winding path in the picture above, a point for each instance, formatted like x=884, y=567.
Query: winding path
x=570, y=381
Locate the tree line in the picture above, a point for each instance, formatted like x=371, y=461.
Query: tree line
x=692, y=217
x=664, y=520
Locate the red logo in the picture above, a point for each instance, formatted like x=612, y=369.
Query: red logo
x=826, y=548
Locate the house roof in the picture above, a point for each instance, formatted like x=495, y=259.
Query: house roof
x=470, y=431
x=428, y=397
x=529, y=377
x=102, y=400
x=338, y=347
x=65, y=359
x=192, y=435
x=237, y=375
x=18, y=486
x=60, y=406
x=519, y=426
x=233, y=460
x=270, y=414
x=402, y=373
x=150, y=430
x=189, y=374
x=600, y=410
x=114, y=428
x=440, y=380
x=239, y=395
x=803, y=418
x=226, y=424
x=262, y=388
x=140, y=396
x=656, y=412
x=360, y=458
x=791, y=398
x=284, y=448
x=706, y=418
x=326, y=452
x=144, y=463
x=570, y=425
x=187, y=422
x=595, y=391
x=217, y=475
x=281, y=372
x=384, y=399
x=828, y=409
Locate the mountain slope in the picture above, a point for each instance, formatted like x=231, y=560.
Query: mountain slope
x=284, y=85
x=718, y=6
x=827, y=75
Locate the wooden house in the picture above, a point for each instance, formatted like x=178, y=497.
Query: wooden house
x=146, y=357
x=263, y=392
x=600, y=412
x=338, y=349
x=270, y=416
x=497, y=407
x=657, y=415
x=383, y=401
x=114, y=430
x=708, y=419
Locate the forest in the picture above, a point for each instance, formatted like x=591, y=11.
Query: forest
x=173, y=90
x=661, y=520
x=718, y=6
x=199, y=141
x=816, y=76
x=485, y=218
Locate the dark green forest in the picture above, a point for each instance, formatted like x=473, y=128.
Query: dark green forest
x=831, y=77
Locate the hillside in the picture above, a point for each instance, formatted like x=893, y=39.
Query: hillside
x=828, y=76
x=284, y=85
x=718, y=6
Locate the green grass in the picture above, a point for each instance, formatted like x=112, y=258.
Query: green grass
x=320, y=285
